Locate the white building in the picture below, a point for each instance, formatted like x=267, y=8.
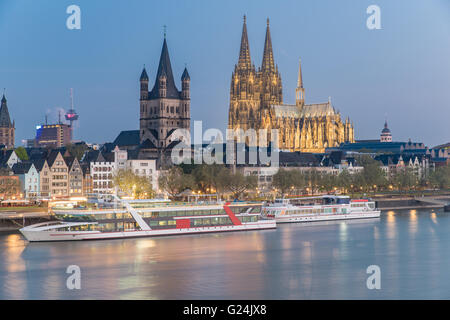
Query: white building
x=141, y=167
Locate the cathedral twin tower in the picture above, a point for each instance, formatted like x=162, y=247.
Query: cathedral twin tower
x=256, y=102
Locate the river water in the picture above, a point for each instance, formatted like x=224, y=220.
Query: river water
x=323, y=260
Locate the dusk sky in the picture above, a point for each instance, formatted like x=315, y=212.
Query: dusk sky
x=401, y=72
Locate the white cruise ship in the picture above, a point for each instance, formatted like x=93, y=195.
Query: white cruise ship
x=146, y=218
x=321, y=208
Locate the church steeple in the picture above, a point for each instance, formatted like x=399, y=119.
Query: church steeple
x=5, y=120
x=244, y=53
x=164, y=76
x=268, y=64
x=300, y=91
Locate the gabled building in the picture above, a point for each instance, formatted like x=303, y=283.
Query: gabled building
x=7, y=128
x=44, y=172
x=87, y=179
x=29, y=179
x=101, y=169
x=59, y=178
x=8, y=158
x=75, y=176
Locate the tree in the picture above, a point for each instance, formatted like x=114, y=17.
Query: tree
x=344, y=180
x=404, y=179
x=77, y=150
x=285, y=180
x=372, y=175
x=313, y=179
x=174, y=181
x=21, y=153
x=133, y=185
x=440, y=177
x=237, y=183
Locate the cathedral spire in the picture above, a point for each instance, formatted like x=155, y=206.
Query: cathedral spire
x=300, y=79
x=268, y=64
x=300, y=91
x=244, y=53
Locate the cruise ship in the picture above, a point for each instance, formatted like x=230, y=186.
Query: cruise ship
x=321, y=208
x=146, y=218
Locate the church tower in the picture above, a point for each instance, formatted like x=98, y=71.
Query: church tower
x=163, y=109
x=244, y=110
x=7, y=129
x=270, y=78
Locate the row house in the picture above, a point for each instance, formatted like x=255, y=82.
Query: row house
x=87, y=179
x=29, y=179
x=101, y=170
x=75, y=176
x=44, y=177
x=59, y=175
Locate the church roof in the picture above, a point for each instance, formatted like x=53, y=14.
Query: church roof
x=21, y=167
x=127, y=138
x=308, y=110
x=5, y=120
x=165, y=69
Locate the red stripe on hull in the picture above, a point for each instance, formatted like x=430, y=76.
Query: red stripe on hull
x=232, y=216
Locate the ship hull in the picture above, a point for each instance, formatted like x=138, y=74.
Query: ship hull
x=40, y=236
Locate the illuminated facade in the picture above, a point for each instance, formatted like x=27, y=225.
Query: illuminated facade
x=256, y=102
x=53, y=135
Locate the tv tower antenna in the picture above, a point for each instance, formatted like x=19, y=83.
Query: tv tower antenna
x=71, y=115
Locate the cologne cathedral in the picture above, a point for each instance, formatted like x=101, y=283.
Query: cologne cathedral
x=256, y=102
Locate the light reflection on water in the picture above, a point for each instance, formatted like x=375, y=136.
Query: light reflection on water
x=324, y=260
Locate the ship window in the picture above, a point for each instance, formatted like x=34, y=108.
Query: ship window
x=163, y=222
x=207, y=221
x=172, y=222
x=214, y=220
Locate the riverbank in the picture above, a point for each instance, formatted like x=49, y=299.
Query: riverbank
x=411, y=202
x=11, y=221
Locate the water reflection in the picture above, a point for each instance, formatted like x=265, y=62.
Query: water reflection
x=326, y=260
